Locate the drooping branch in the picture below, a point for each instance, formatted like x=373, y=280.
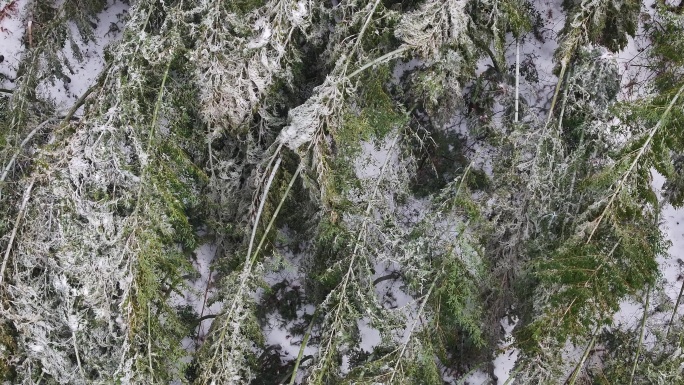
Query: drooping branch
x=637, y=158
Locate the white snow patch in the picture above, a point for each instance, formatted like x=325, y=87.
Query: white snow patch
x=372, y=158
x=389, y=291
x=504, y=362
x=12, y=30
x=370, y=337
x=266, y=32
x=344, y=368
x=200, y=290
x=277, y=333
x=65, y=92
x=204, y=286
x=671, y=266
x=403, y=67
x=299, y=13
x=303, y=125
x=633, y=59
x=629, y=315
x=480, y=151
x=478, y=377
x=287, y=268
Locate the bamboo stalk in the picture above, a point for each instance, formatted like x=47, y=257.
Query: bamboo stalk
x=517, y=78
x=78, y=356
x=361, y=33
x=261, y=207
x=250, y=257
x=379, y=60
x=641, y=336
x=360, y=235
x=300, y=355
x=674, y=311
x=580, y=364
x=277, y=210
x=564, y=65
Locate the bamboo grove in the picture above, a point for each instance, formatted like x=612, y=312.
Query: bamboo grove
x=359, y=145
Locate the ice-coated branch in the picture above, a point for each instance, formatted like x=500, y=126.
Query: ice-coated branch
x=17, y=222
x=517, y=78
x=434, y=25
x=235, y=73
x=637, y=158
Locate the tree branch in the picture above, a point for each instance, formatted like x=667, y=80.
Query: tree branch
x=636, y=160
x=10, y=164
x=17, y=222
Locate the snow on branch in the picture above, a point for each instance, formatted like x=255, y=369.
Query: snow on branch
x=239, y=57
x=435, y=25
x=307, y=120
x=83, y=278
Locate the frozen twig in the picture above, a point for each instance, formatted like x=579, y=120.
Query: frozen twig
x=78, y=356
x=17, y=222
x=413, y=327
x=360, y=239
x=359, y=38
x=300, y=355
x=149, y=343
x=247, y=267
x=38, y=128
x=675, y=310
x=28, y=138
x=641, y=336
x=517, y=77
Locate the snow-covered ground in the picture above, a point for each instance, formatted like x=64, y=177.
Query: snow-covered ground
x=634, y=76
x=504, y=362
x=16, y=28
x=84, y=74
x=12, y=29
x=672, y=264
x=199, y=291
x=277, y=332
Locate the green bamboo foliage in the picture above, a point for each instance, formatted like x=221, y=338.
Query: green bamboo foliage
x=27, y=114
x=659, y=363
x=436, y=33
x=608, y=23
x=669, y=67
x=43, y=61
